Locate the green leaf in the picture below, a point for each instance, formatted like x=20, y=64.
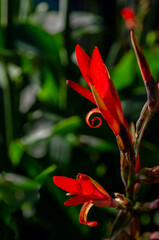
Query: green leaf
x=67, y=125
x=123, y=73
x=42, y=176
x=15, y=152
x=15, y=189
x=49, y=90
x=33, y=37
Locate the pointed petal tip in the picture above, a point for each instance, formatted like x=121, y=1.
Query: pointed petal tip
x=54, y=179
x=78, y=49
x=96, y=51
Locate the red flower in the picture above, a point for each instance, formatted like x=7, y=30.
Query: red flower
x=88, y=191
x=103, y=92
x=128, y=15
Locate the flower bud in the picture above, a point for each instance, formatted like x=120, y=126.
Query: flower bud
x=148, y=175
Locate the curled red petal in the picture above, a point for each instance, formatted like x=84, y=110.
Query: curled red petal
x=81, y=90
x=113, y=123
x=93, y=111
x=68, y=184
x=142, y=62
x=83, y=215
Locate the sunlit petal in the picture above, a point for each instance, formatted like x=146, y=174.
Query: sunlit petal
x=83, y=61
x=101, y=82
x=67, y=184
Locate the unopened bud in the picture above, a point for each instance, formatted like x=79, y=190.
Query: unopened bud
x=148, y=175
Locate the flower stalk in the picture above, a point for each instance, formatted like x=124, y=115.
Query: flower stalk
x=103, y=95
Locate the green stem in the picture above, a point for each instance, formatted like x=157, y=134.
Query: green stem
x=131, y=183
x=142, y=130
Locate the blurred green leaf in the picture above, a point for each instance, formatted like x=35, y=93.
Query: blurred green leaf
x=49, y=91
x=42, y=176
x=67, y=125
x=15, y=189
x=123, y=73
x=15, y=152
x=2, y=41
x=39, y=39
x=91, y=143
x=152, y=56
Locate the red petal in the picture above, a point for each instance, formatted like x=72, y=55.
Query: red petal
x=116, y=99
x=81, y=90
x=143, y=65
x=98, y=74
x=84, y=198
x=101, y=82
x=68, y=184
x=84, y=63
x=101, y=191
x=87, y=187
x=114, y=125
x=78, y=200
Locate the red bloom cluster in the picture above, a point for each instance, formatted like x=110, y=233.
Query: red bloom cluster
x=102, y=90
x=88, y=191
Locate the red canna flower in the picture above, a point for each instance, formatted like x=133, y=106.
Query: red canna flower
x=103, y=92
x=128, y=15
x=87, y=191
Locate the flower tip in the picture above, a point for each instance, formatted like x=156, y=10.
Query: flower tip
x=92, y=224
x=54, y=179
x=96, y=50
x=78, y=49
x=67, y=82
